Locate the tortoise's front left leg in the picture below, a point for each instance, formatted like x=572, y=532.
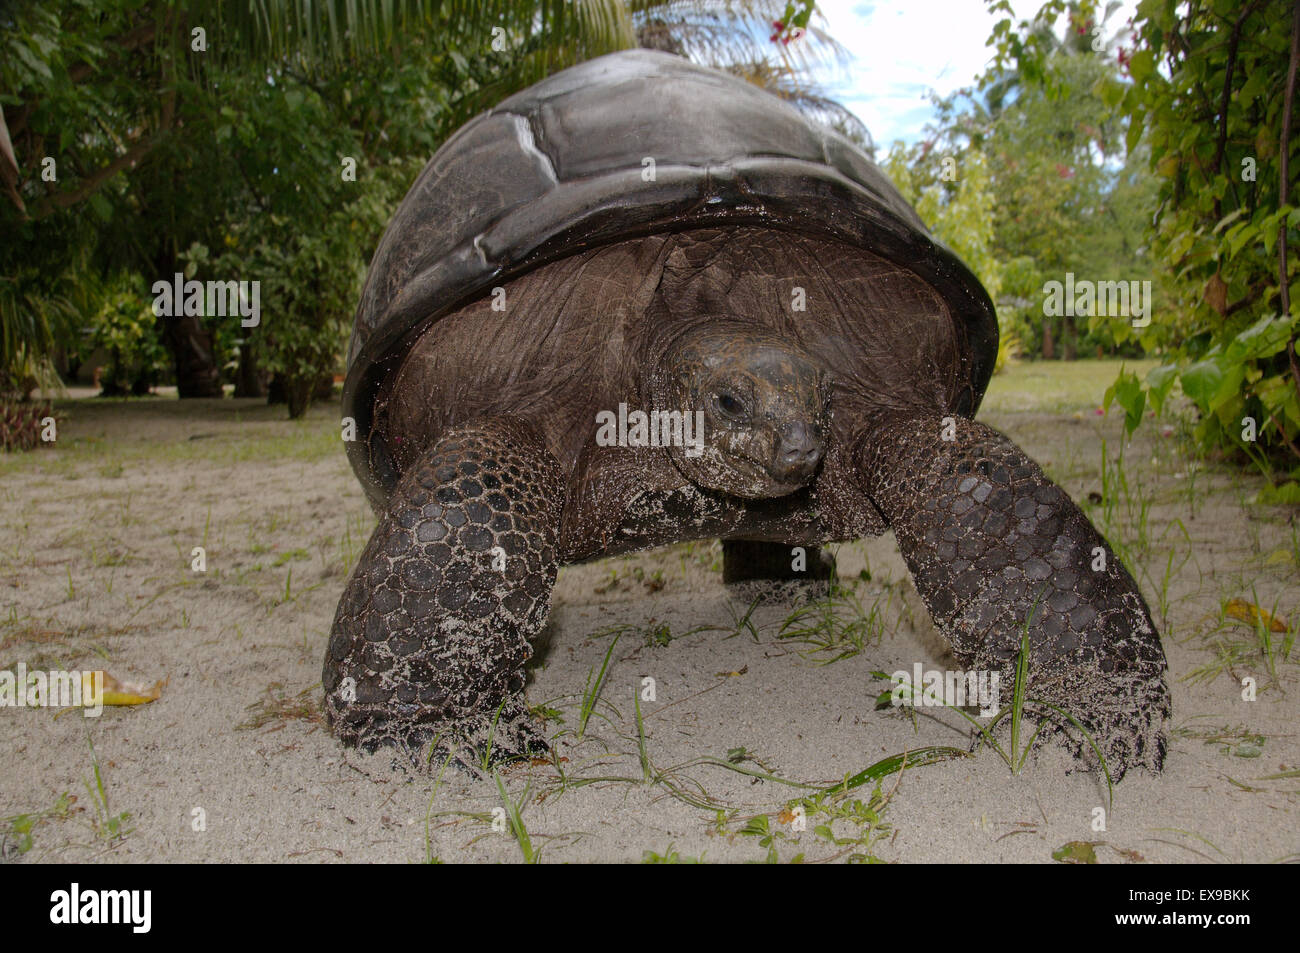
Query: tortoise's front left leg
x=994, y=545
x=432, y=632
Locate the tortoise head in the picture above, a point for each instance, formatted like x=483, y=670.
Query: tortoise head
x=765, y=404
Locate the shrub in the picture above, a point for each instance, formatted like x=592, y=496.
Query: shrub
x=21, y=425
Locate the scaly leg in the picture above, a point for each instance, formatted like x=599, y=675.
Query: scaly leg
x=432, y=632
x=989, y=541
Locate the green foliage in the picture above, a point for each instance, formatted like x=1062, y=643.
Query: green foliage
x=1228, y=383
x=669, y=856
x=330, y=32
x=17, y=829
x=1027, y=177
x=1065, y=202
x=1127, y=389
x=1203, y=90
x=953, y=195
x=156, y=146
x=1224, y=208
x=126, y=327
x=24, y=371
x=163, y=150
x=39, y=307
x=309, y=285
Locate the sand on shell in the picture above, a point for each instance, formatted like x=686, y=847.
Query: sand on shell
x=233, y=762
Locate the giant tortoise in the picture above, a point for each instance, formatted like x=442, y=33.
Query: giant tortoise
x=642, y=302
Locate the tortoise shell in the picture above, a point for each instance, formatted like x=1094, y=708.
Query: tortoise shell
x=627, y=145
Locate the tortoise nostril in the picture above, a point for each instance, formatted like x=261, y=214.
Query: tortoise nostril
x=798, y=450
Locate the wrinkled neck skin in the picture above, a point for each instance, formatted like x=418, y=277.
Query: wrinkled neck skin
x=764, y=406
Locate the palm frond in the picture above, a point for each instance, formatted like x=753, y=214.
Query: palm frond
x=317, y=32
x=721, y=33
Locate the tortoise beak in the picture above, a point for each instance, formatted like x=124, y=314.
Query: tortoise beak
x=796, y=453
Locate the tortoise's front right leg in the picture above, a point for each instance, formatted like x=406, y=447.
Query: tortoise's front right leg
x=996, y=550
x=432, y=632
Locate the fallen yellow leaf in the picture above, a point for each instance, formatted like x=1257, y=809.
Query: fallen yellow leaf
x=1243, y=611
x=122, y=693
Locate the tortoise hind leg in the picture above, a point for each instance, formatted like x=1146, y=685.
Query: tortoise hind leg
x=773, y=572
x=431, y=635
x=992, y=543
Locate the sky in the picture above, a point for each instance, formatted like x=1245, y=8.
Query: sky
x=901, y=49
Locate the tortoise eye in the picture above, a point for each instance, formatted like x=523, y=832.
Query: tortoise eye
x=730, y=405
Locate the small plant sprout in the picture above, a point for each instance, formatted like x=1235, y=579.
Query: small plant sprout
x=110, y=827
x=591, y=694
x=1015, y=755
x=515, y=820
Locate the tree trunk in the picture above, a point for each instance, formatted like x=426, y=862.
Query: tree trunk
x=278, y=390
x=298, y=392
x=250, y=380
x=191, y=345
x=112, y=380
x=1049, y=349
x=1069, y=339
x=193, y=352
x=143, y=384
x=324, y=389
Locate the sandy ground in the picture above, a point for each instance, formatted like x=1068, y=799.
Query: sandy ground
x=233, y=763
